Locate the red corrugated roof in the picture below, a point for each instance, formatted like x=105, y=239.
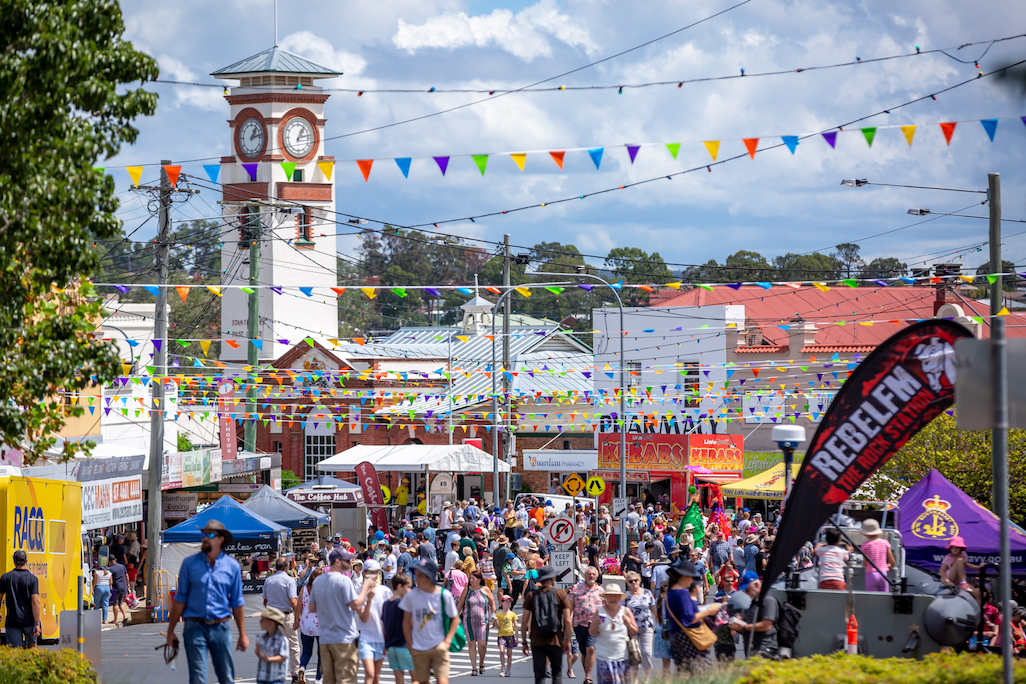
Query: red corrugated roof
x=837, y=348
x=890, y=307
x=761, y=349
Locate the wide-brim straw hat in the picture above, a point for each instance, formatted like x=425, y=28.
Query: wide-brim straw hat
x=871, y=528
x=613, y=589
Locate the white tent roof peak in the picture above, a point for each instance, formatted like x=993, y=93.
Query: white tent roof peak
x=455, y=458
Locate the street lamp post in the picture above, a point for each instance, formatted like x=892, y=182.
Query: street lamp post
x=623, y=405
x=495, y=394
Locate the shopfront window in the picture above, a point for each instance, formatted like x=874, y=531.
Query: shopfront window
x=319, y=445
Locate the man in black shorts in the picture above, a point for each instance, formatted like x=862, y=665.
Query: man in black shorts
x=119, y=589
x=19, y=589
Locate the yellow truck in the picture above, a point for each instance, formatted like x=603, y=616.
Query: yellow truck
x=44, y=519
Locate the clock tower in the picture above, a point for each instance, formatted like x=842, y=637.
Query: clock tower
x=278, y=187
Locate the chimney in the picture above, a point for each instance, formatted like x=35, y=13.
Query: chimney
x=944, y=295
x=799, y=335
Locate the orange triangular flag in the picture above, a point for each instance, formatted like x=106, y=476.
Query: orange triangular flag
x=909, y=132
x=135, y=173
x=365, y=167
x=755, y=372
x=714, y=148
x=519, y=159
x=172, y=173
x=751, y=144
x=558, y=157
x=338, y=290
x=949, y=130
x=183, y=292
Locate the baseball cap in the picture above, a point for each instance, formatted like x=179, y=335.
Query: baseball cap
x=371, y=565
x=426, y=567
x=746, y=579
x=20, y=557
x=339, y=554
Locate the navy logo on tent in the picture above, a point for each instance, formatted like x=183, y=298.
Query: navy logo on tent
x=934, y=522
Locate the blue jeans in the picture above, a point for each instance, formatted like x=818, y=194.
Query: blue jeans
x=215, y=639
x=101, y=598
x=308, y=651
x=21, y=637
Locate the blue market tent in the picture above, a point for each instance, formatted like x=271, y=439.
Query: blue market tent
x=270, y=504
x=251, y=532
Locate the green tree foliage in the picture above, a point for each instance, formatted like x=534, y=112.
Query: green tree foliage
x=746, y=266
x=634, y=265
x=1008, y=283
x=964, y=458
x=884, y=267
x=64, y=102
x=814, y=266
x=847, y=257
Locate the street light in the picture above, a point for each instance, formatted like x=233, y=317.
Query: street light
x=623, y=402
x=859, y=182
x=788, y=438
x=495, y=395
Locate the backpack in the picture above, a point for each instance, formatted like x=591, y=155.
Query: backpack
x=546, y=614
x=788, y=625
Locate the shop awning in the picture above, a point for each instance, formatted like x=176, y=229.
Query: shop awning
x=325, y=490
x=719, y=478
x=276, y=508
x=453, y=458
x=766, y=485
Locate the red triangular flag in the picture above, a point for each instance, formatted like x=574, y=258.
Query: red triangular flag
x=172, y=173
x=751, y=144
x=365, y=167
x=558, y=157
x=339, y=290
x=183, y=292
x=949, y=130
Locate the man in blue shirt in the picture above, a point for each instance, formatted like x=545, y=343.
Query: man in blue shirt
x=209, y=594
x=471, y=513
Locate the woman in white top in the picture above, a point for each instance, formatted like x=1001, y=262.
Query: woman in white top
x=309, y=629
x=612, y=624
x=101, y=590
x=372, y=635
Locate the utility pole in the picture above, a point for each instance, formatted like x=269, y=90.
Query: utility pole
x=507, y=441
x=255, y=225
x=158, y=408
x=999, y=433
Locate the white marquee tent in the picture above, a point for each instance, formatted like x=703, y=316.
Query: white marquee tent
x=452, y=458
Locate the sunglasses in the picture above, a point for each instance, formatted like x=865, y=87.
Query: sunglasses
x=210, y=535
x=632, y=581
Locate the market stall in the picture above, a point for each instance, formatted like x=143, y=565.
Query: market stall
x=934, y=510
x=255, y=539
x=303, y=521
x=766, y=485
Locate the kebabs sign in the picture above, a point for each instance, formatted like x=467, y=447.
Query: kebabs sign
x=903, y=385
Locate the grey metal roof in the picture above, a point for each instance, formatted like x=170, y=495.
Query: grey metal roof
x=278, y=61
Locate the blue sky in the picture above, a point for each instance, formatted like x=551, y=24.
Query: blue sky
x=773, y=204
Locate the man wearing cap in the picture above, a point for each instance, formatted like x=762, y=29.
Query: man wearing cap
x=402, y=496
x=280, y=592
x=761, y=619
x=335, y=599
x=548, y=648
x=19, y=589
x=425, y=610
x=209, y=594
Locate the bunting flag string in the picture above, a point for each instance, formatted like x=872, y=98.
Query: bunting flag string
x=563, y=154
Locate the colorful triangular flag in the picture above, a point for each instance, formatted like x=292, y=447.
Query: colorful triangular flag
x=558, y=157
x=949, y=130
x=596, y=152
x=443, y=163
x=289, y=168
x=251, y=169
x=751, y=144
x=910, y=132
x=481, y=160
x=365, y=167
x=519, y=159
x=326, y=168
x=714, y=148
x=404, y=165
x=990, y=125
x=674, y=148
x=791, y=141
x=870, y=133
x=213, y=171
x=172, y=174
x=135, y=173
x=632, y=150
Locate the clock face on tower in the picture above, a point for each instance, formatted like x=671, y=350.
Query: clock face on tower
x=297, y=136
x=251, y=138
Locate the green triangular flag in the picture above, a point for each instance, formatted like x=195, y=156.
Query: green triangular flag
x=870, y=133
x=674, y=148
x=555, y=290
x=288, y=167
x=991, y=279
x=481, y=160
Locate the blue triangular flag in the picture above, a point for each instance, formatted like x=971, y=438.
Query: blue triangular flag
x=404, y=165
x=990, y=125
x=259, y=344
x=153, y=290
x=791, y=141
x=308, y=291
x=596, y=155
x=213, y=171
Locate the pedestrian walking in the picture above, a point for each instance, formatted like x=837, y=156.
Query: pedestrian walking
x=642, y=605
x=476, y=606
x=309, y=630
x=547, y=614
x=119, y=589
x=101, y=590
x=336, y=599
x=19, y=590
x=272, y=647
x=399, y=658
x=612, y=625
x=684, y=613
x=428, y=609
x=585, y=598
x=209, y=594
x=506, y=621
x=280, y=592
x=372, y=633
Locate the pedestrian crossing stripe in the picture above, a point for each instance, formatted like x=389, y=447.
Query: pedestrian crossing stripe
x=459, y=665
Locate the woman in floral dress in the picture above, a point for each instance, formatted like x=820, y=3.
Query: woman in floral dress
x=476, y=606
x=642, y=605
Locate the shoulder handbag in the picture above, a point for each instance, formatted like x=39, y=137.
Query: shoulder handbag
x=633, y=651
x=459, y=639
x=701, y=636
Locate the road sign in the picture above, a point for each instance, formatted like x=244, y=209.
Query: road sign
x=386, y=494
x=620, y=506
x=595, y=486
x=573, y=484
x=563, y=563
x=561, y=531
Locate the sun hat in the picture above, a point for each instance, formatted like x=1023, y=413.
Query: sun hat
x=274, y=614
x=218, y=526
x=426, y=567
x=689, y=526
x=957, y=541
x=547, y=572
x=685, y=568
x=871, y=528
x=612, y=589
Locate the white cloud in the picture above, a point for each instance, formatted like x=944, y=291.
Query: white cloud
x=321, y=51
x=210, y=99
x=525, y=34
